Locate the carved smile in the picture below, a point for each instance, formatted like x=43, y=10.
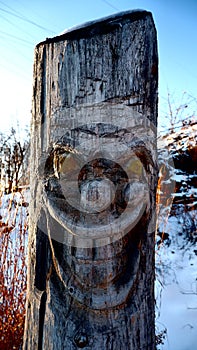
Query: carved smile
x=94, y=275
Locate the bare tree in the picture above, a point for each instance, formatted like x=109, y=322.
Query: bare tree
x=14, y=161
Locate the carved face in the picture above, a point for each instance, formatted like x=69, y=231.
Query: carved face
x=98, y=195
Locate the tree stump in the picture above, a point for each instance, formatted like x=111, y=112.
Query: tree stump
x=93, y=184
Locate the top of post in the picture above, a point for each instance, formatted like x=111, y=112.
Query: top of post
x=99, y=26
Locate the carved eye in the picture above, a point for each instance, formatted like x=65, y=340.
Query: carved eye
x=66, y=165
x=133, y=167
x=69, y=165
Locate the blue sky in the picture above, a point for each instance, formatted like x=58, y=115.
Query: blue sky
x=25, y=23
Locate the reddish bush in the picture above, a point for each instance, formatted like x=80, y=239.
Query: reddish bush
x=13, y=252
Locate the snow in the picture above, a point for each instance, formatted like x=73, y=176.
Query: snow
x=109, y=19
x=176, y=274
x=183, y=138
x=178, y=307
x=181, y=322
x=176, y=252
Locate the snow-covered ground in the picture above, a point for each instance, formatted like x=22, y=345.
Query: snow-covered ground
x=176, y=290
x=176, y=261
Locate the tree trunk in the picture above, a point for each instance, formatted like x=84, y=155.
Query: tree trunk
x=93, y=181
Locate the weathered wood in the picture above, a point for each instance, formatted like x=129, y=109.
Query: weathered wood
x=93, y=180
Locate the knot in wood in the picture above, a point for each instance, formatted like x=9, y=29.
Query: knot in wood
x=81, y=339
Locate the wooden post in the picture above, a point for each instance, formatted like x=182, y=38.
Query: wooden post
x=93, y=181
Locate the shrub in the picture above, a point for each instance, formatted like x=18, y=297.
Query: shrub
x=13, y=268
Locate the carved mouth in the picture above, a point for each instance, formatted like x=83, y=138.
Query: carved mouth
x=116, y=283
x=94, y=275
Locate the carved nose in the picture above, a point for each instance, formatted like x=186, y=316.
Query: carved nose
x=97, y=194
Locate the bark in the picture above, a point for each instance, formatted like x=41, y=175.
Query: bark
x=91, y=257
